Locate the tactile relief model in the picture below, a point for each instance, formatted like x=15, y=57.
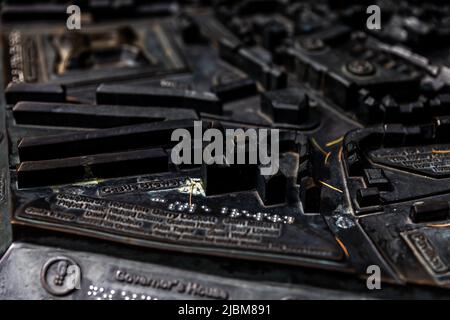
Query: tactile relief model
x=94, y=206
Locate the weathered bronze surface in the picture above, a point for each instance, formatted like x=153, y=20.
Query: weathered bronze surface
x=93, y=207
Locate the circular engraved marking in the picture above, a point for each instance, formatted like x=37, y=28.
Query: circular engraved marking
x=361, y=68
x=60, y=276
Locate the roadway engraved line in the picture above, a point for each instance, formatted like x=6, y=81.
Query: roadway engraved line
x=331, y=187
